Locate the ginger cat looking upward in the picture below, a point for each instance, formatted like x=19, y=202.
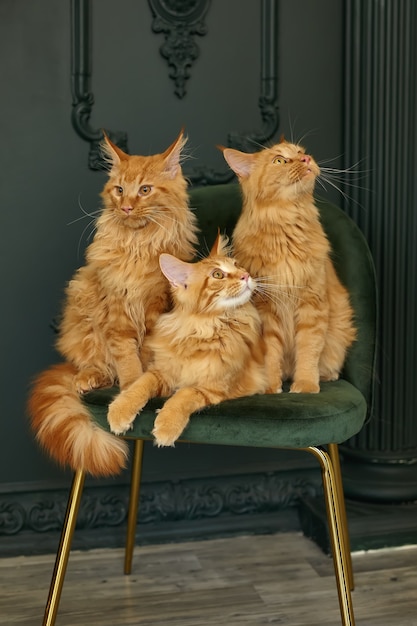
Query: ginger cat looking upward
x=305, y=309
x=112, y=302
x=209, y=348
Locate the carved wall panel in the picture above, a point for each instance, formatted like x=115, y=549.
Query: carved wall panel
x=180, y=22
x=191, y=499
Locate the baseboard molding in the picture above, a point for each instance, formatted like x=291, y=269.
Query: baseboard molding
x=30, y=523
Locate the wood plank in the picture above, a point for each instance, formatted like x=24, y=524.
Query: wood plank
x=242, y=581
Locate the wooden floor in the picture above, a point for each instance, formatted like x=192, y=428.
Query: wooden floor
x=269, y=579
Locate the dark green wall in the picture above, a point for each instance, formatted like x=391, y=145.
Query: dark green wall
x=45, y=178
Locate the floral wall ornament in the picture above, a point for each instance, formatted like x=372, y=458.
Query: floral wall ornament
x=180, y=20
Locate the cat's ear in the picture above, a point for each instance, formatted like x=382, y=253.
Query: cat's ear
x=112, y=153
x=240, y=162
x=176, y=271
x=172, y=155
x=220, y=247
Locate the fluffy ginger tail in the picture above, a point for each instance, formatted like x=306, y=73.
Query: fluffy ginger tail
x=64, y=427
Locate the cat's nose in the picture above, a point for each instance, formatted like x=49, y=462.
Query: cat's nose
x=127, y=209
x=245, y=277
x=306, y=159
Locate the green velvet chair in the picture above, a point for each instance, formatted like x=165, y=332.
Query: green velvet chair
x=315, y=423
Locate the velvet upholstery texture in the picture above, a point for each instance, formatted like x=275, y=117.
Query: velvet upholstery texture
x=283, y=420
x=278, y=420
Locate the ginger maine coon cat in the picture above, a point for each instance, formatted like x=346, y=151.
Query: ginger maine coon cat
x=209, y=348
x=112, y=302
x=305, y=310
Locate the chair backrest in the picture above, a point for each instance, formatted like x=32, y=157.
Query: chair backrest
x=219, y=206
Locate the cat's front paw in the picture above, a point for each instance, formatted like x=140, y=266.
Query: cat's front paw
x=119, y=420
x=329, y=377
x=273, y=390
x=165, y=431
x=90, y=378
x=304, y=386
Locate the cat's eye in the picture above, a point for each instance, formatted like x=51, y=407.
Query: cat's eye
x=145, y=190
x=118, y=190
x=279, y=160
x=218, y=274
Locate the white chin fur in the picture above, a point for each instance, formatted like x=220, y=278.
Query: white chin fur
x=238, y=300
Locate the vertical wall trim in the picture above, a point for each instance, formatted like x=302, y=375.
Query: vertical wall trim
x=82, y=96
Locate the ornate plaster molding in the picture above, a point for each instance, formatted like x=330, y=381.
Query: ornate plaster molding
x=179, y=20
x=82, y=96
x=169, y=501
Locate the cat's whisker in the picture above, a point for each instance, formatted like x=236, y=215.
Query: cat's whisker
x=341, y=173
x=152, y=219
x=279, y=294
x=342, y=179
x=92, y=214
x=321, y=183
x=256, y=143
x=205, y=251
x=306, y=134
x=283, y=303
x=344, y=170
x=93, y=229
x=338, y=186
x=339, y=156
x=83, y=217
x=273, y=279
x=281, y=286
x=292, y=128
x=329, y=182
x=163, y=212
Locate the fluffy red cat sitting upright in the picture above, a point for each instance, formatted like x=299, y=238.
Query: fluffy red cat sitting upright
x=112, y=302
x=306, y=313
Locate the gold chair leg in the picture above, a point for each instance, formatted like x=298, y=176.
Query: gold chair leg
x=133, y=504
x=64, y=548
x=335, y=532
x=333, y=450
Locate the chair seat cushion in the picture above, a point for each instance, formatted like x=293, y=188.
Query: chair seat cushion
x=285, y=420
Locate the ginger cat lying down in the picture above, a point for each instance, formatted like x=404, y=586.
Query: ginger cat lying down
x=209, y=348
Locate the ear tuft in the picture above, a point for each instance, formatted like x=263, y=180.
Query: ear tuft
x=220, y=246
x=172, y=155
x=113, y=155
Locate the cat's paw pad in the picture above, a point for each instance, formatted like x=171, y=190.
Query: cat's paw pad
x=304, y=386
x=118, y=421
